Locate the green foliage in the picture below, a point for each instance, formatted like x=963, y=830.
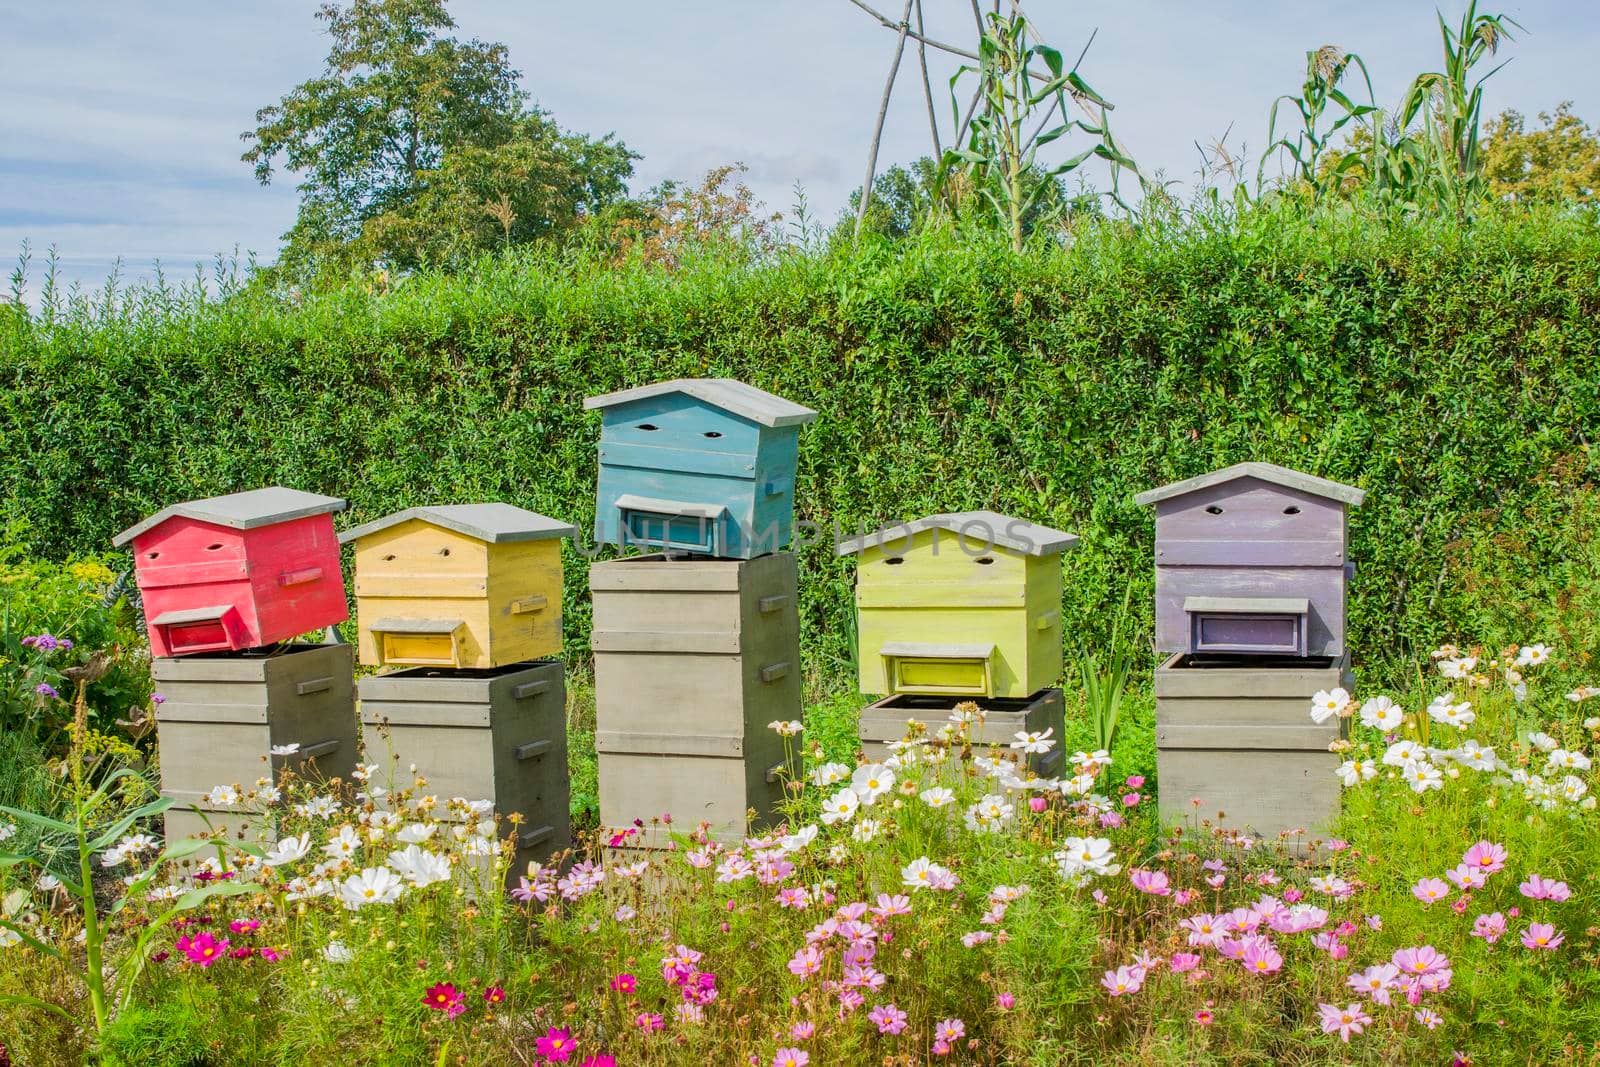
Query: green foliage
x=1558, y=163
x=416, y=148
x=1448, y=371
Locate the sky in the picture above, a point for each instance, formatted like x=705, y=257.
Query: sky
x=120, y=122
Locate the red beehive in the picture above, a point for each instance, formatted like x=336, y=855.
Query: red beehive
x=238, y=571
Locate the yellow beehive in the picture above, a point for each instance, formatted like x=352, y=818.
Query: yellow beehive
x=963, y=604
x=461, y=586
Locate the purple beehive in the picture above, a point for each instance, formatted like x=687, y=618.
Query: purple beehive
x=1251, y=560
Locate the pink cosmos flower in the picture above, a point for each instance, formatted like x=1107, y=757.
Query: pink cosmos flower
x=446, y=998
x=1005, y=1001
x=793, y=897
x=803, y=1030
x=1135, y=781
x=888, y=1019
x=806, y=962
x=1037, y=805
x=1184, y=897
x=1467, y=877
x=1344, y=1021
x=791, y=1057
x=1184, y=961
x=494, y=995
x=1485, y=856
x=1418, y=961
x=1542, y=935
x=1260, y=957
x=1110, y=820
x=242, y=953
x=890, y=906
x=950, y=1031
x=1429, y=890
x=1293, y=895
x=1536, y=888
x=556, y=1045
x=1100, y=897
x=244, y=926
x=1375, y=922
x=649, y=1022
x=624, y=983
x=1123, y=980
x=272, y=955
x=1429, y=1018
x=1155, y=883
x=976, y=938
x=1375, y=982
x=1203, y=1017
x=202, y=948
x=1215, y=880
x=1131, y=800
x=1203, y=929
x=1489, y=927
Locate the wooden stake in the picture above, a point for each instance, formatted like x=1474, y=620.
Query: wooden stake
x=927, y=88
x=883, y=113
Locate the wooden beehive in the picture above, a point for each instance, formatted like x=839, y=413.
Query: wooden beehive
x=1252, y=559
x=889, y=720
x=498, y=734
x=704, y=466
x=459, y=585
x=238, y=571
x=224, y=713
x=960, y=604
x=1234, y=733
x=692, y=660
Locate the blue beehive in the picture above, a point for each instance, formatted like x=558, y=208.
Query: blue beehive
x=698, y=465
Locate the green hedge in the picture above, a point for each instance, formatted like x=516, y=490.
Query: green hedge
x=1452, y=373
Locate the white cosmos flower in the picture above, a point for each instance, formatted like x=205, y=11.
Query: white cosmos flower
x=375, y=885
x=288, y=850
x=1422, y=776
x=1563, y=759
x=989, y=815
x=799, y=839
x=1083, y=858
x=1034, y=742
x=318, y=808
x=7, y=830
x=364, y=771
x=47, y=882
x=1079, y=785
x=1573, y=788
x=922, y=873
x=1543, y=741
x=1091, y=762
x=871, y=781
x=223, y=796
x=415, y=833
x=786, y=729
x=829, y=774
x=1326, y=703
x=336, y=952
x=937, y=797
x=344, y=844
x=840, y=807
x=286, y=750
x=1381, y=713
x=419, y=866
x=1445, y=710
x=866, y=830
x=1532, y=655
x=1402, y=752
x=1353, y=772
x=1457, y=666
x=1473, y=755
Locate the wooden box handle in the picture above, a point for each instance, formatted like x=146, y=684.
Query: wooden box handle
x=529, y=604
x=773, y=671
x=529, y=689
x=1047, y=620
x=537, y=835
x=318, y=750
x=313, y=685
x=300, y=577
x=768, y=604
x=774, y=772
x=532, y=750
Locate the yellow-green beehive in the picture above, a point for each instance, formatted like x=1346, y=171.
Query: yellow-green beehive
x=458, y=586
x=960, y=604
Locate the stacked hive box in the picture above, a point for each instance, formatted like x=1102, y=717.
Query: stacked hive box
x=957, y=607
x=696, y=646
x=1251, y=570
x=461, y=602
x=226, y=581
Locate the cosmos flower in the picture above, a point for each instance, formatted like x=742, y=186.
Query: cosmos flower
x=445, y=998
x=1542, y=935
x=1344, y=1021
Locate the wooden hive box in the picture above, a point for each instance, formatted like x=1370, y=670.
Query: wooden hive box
x=888, y=720
x=962, y=604
x=224, y=713
x=1235, y=733
x=238, y=571
x=704, y=466
x=1252, y=559
x=458, y=585
x=498, y=734
x=692, y=660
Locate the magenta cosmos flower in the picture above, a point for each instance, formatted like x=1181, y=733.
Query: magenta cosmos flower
x=1486, y=857
x=556, y=1045
x=1343, y=1021
x=202, y=948
x=494, y=995
x=791, y=1057
x=1542, y=935
x=446, y=998
x=888, y=1019
x=624, y=983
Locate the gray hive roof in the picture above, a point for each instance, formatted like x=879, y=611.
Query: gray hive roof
x=494, y=523
x=240, y=511
x=1267, y=472
x=976, y=527
x=747, y=401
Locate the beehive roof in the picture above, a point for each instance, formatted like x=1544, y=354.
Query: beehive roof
x=747, y=401
x=982, y=527
x=1267, y=472
x=240, y=511
x=494, y=523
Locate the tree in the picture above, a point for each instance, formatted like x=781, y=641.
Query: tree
x=411, y=145
x=906, y=197
x=1557, y=163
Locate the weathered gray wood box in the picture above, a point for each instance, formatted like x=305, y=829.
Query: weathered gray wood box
x=224, y=712
x=1252, y=559
x=887, y=721
x=1235, y=733
x=693, y=659
x=497, y=734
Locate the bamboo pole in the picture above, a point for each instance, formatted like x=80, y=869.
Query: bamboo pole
x=883, y=113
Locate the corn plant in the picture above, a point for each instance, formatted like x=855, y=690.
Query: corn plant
x=1001, y=156
x=1326, y=67
x=1105, y=681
